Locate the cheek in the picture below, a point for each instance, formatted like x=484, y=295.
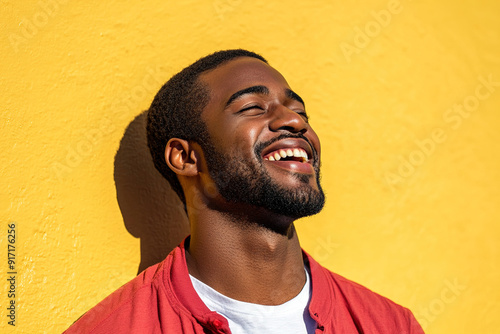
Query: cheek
x=244, y=139
x=313, y=137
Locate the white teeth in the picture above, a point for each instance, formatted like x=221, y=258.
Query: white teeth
x=296, y=152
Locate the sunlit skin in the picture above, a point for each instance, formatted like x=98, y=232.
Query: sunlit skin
x=231, y=249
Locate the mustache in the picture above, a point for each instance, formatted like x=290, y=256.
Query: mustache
x=261, y=146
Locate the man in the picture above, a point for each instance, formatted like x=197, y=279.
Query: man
x=233, y=140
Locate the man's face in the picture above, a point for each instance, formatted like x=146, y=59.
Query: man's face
x=262, y=150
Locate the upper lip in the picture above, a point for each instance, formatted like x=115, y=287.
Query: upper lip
x=290, y=143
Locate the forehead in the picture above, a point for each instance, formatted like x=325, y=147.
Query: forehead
x=238, y=74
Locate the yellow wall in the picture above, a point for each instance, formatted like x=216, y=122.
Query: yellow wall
x=412, y=184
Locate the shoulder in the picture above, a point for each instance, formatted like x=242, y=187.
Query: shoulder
x=124, y=308
x=351, y=302
x=357, y=294
x=347, y=290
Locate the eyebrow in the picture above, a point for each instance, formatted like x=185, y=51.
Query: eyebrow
x=264, y=91
x=294, y=96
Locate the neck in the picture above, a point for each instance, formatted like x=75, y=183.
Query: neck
x=242, y=259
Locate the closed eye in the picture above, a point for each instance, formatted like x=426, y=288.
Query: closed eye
x=252, y=110
x=304, y=115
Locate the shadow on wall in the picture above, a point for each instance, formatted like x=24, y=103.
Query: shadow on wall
x=151, y=210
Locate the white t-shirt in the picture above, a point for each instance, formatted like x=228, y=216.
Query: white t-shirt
x=291, y=317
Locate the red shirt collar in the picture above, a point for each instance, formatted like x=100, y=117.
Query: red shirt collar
x=181, y=292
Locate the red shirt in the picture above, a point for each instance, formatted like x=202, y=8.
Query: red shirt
x=162, y=300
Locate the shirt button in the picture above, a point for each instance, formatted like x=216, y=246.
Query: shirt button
x=217, y=323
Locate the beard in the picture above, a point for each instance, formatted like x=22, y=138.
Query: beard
x=244, y=180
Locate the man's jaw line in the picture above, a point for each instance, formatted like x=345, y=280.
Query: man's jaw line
x=247, y=216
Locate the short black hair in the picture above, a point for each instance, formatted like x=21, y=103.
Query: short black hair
x=176, y=110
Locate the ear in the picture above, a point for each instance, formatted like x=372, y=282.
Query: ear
x=180, y=157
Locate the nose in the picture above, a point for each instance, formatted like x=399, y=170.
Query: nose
x=287, y=119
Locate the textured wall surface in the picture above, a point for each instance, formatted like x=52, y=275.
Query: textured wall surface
x=404, y=94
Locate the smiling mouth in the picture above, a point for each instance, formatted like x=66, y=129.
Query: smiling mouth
x=288, y=154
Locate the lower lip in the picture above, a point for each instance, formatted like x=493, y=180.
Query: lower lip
x=294, y=166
